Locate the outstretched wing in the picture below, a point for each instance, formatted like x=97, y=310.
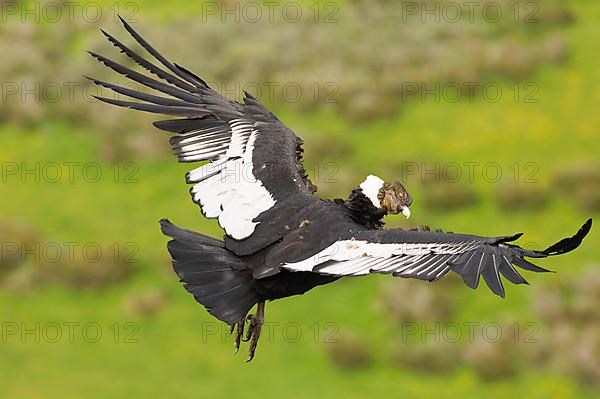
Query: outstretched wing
x=255, y=161
x=430, y=256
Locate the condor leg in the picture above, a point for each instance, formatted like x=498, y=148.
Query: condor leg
x=253, y=333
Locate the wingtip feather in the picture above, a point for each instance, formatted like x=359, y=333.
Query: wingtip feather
x=166, y=227
x=570, y=243
x=122, y=20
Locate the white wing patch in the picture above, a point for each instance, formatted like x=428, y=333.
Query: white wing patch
x=226, y=188
x=355, y=257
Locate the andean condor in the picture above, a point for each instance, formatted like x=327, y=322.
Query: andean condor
x=280, y=239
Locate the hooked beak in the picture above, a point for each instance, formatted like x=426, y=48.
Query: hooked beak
x=405, y=211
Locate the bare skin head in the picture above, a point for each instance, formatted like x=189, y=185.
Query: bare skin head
x=394, y=198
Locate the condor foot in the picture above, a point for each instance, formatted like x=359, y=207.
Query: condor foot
x=255, y=323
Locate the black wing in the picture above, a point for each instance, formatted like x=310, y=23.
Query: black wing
x=255, y=162
x=430, y=256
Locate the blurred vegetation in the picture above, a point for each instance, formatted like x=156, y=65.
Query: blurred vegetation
x=580, y=183
x=569, y=308
x=379, y=57
x=30, y=261
x=146, y=303
x=372, y=126
x=515, y=197
x=563, y=339
x=349, y=352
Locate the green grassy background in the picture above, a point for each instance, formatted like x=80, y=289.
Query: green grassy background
x=170, y=357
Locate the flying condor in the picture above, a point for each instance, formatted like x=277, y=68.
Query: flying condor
x=280, y=239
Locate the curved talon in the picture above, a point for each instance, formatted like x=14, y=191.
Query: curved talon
x=254, y=341
x=239, y=333
x=253, y=334
x=251, y=327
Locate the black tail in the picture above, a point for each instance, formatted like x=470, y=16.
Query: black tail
x=216, y=277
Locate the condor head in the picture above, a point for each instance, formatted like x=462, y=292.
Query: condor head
x=390, y=197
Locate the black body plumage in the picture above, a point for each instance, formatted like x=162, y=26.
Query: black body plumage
x=360, y=209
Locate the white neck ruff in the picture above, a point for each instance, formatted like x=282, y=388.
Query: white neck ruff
x=370, y=188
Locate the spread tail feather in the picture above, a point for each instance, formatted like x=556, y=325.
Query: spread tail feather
x=217, y=278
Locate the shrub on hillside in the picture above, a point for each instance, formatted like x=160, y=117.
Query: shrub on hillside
x=447, y=196
x=492, y=360
x=146, y=304
x=349, y=353
x=406, y=300
x=514, y=197
x=580, y=183
x=429, y=356
x=18, y=240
